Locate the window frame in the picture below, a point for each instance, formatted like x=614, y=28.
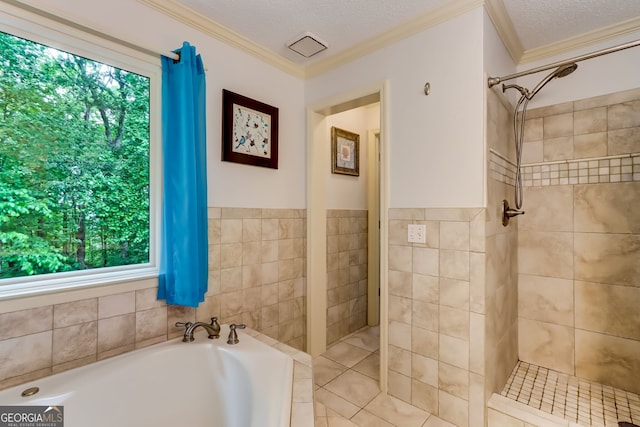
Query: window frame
x=41, y=29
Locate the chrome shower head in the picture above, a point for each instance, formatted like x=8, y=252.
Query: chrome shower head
x=565, y=70
x=561, y=71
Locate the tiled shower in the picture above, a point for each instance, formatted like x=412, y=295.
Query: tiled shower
x=578, y=244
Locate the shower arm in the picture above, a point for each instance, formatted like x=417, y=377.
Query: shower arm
x=492, y=81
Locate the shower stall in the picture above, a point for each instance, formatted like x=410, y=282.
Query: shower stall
x=562, y=287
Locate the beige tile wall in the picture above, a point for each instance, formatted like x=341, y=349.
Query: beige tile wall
x=346, y=272
x=499, y=307
x=579, y=243
x=257, y=263
x=256, y=268
x=44, y=340
x=435, y=333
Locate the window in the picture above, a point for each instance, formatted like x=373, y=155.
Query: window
x=75, y=144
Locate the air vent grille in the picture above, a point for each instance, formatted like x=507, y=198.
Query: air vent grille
x=307, y=45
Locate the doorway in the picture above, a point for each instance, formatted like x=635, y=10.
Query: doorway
x=318, y=169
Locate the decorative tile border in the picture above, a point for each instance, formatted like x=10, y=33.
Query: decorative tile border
x=502, y=169
x=619, y=168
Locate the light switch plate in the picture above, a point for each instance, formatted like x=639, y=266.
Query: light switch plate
x=417, y=233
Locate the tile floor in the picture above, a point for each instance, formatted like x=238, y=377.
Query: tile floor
x=346, y=388
x=585, y=402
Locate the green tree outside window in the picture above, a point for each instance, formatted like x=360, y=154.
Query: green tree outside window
x=74, y=162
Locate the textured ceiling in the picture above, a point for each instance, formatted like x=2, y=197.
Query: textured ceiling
x=541, y=22
x=343, y=24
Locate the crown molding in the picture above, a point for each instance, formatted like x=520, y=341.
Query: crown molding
x=503, y=25
x=415, y=26
x=582, y=40
x=188, y=16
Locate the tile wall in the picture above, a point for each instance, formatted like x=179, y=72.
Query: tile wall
x=256, y=268
x=346, y=272
x=257, y=265
x=579, y=243
x=500, y=305
x=436, y=334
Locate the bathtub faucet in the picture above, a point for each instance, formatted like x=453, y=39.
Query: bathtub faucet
x=213, y=329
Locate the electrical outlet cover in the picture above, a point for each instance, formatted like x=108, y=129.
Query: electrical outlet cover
x=417, y=233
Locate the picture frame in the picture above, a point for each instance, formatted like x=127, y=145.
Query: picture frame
x=249, y=131
x=345, y=152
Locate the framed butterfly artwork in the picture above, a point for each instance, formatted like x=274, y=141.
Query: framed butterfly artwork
x=249, y=131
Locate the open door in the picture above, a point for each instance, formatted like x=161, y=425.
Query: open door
x=316, y=277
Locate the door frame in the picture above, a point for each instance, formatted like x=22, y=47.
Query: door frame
x=373, y=214
x=317, y=168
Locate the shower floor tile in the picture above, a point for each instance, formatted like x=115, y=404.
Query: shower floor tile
x=585, y=402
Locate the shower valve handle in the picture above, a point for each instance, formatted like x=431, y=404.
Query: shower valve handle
x=508, y=213
x=513, y=212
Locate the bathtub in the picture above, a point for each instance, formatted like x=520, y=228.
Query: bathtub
x=202, y=383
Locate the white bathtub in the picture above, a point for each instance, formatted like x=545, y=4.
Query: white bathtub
x=202, y=383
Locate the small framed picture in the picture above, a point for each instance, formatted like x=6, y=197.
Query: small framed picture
x=249, y=131
x=345, y=152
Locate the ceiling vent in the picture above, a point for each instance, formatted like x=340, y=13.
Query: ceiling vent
x=307, y=45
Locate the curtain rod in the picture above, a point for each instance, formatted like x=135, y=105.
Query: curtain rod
x=89, y=30
x=492, y=81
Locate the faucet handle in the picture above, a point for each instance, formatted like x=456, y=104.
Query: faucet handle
x=183, y=324
x=233, y=335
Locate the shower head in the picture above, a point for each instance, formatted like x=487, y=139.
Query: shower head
x=561, y=71
x=565, y=70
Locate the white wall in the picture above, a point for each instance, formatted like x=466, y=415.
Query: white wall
x=497, y=61
x=606, y=74
x=345, y=191
x=435, y=141
x=229, y=184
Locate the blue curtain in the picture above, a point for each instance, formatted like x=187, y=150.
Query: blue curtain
x=184, y=244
